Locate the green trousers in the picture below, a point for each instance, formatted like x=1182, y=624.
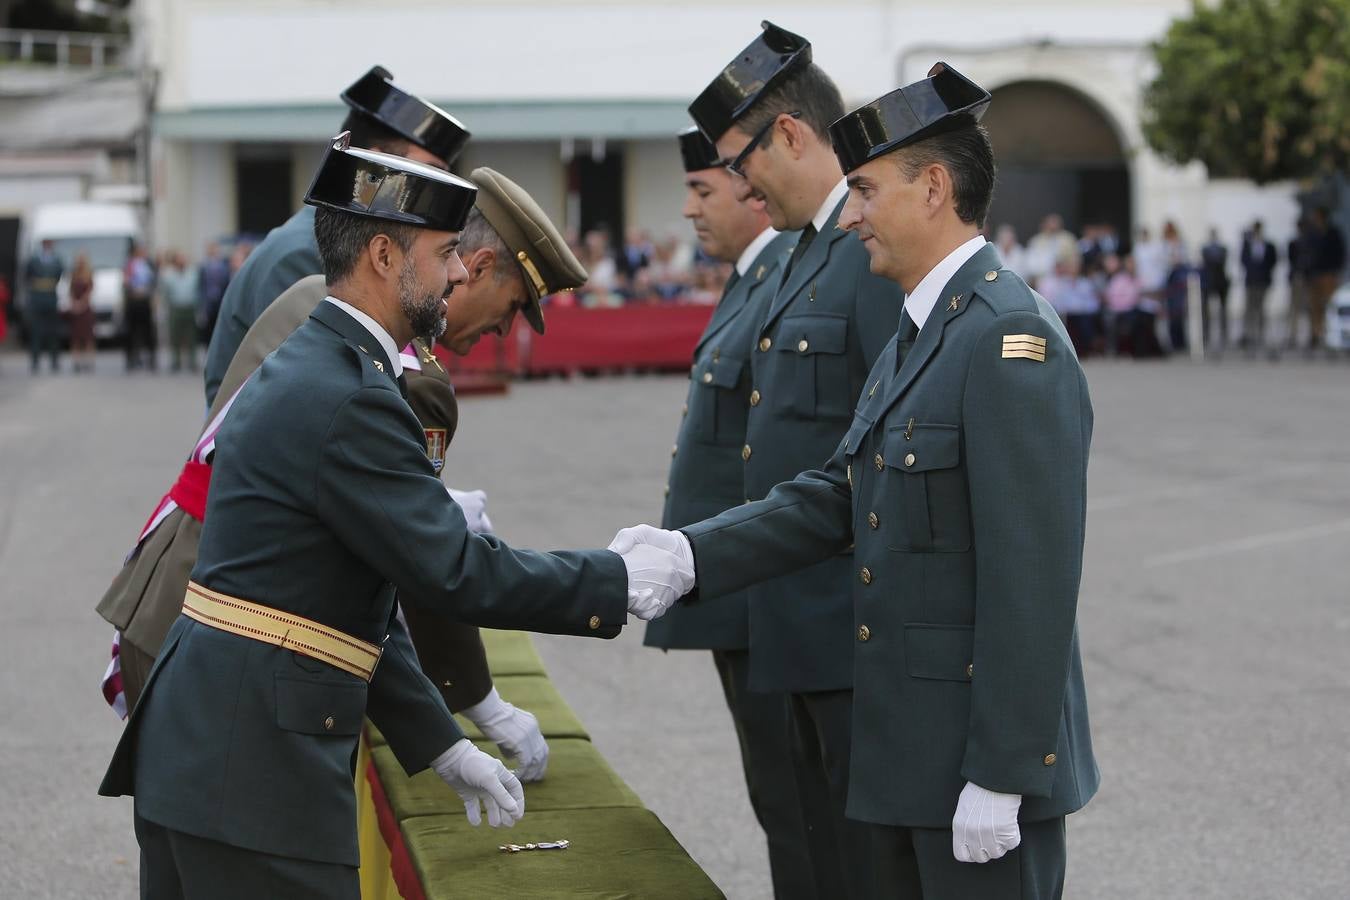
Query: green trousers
x=917, y=864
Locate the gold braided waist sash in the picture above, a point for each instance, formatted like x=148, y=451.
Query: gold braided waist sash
x=281, y=629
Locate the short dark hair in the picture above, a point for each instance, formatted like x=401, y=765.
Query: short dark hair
x=809, y=91
x=371, y=134
x=968, y=155
x=342, y=238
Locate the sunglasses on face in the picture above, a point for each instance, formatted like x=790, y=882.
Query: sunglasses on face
x=737, y=165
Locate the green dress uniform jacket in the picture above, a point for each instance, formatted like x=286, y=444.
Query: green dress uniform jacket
x=287, y=254
x=146, y=596
x=962, y=479
x=706, y=473
x=825, y=327
x=322, y=503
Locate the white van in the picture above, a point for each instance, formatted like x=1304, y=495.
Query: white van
x=103, y=231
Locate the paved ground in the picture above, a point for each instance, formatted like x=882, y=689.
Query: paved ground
x=1215, y=618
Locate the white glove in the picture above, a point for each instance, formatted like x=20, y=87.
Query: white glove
x=476, y=777
x=660, y=568
x=985, y=824
x=474, y=505
x=515, y=731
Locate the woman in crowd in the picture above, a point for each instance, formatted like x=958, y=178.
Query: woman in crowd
x=82, y=314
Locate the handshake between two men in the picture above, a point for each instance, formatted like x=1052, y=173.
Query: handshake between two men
x=660, y=567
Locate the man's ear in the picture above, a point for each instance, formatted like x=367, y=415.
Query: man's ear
x=793, y=133
x=480, y=263
x=384, y=256
x=940, y=189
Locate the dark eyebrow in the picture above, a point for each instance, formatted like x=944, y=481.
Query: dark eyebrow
x=853, y=180
x=694, y=181
x=450, y=244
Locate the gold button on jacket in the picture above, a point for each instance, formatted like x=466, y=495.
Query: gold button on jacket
x=765, y=344
x=754, y=398
x=745, y=452
x=328, y=723
x=864, y=633
x=707, y=378
x=873, y=521
x=879, y=461
x=1050, y=759
x=910, y=459
x=865, y=575
x=594, y=623
x=802, y=345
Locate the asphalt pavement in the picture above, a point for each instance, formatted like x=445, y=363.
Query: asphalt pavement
x=1214, y=618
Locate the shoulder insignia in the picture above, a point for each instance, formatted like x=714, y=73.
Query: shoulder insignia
x=379, y=365
x=1024, y=346
x=437, y=439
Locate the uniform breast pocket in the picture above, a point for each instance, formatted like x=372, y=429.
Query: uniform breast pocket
x=320, y=706
x=719, y=408
x=813, y=352
x=926, y=491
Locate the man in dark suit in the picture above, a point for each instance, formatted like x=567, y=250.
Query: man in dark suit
x=323, y=504
x=1214, y=285
x=383, y=117
x=707, y=477
x=962, y=481
x=1258, y=264
x=767, y=111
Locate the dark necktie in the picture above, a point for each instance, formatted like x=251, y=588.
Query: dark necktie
x=909, y=333
x=808, y=235
x=403, y=385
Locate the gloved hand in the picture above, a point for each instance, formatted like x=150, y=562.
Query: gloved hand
x=474, y=505
x=660, y=568
x=985, y=825
x=515, y=731
x=477, y=777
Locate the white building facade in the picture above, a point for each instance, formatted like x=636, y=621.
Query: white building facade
x=580, y=102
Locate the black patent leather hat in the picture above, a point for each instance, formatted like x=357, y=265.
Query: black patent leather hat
x=769, y=59
x=944, y=101
x=697, y=151
x=384, y=186
x=374, y=94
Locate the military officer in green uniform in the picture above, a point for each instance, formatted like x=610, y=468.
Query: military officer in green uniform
x=829, y=319
x=42, y=274
x=707, y=477
x=382, y=117
x=962, y=480
x=323, y=503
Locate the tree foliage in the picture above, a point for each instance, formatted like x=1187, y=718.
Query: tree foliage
x=1255, y=89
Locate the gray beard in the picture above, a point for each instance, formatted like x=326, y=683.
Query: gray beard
x=422, y=309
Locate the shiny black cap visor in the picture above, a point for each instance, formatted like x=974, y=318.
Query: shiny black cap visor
x=945, y=101
x=425, y=124
x=697, y=152
x=382, y=186
x=769, y=58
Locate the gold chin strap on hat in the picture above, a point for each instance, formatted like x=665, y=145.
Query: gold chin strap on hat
x=528, y=265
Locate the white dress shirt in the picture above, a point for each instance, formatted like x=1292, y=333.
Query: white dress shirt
x=837, y=193
x=925, y=295
x=376, y=331
x=749, y=254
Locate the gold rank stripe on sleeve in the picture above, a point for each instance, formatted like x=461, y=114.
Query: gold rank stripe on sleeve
x=1024, y=346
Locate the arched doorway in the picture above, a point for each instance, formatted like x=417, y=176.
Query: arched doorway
x=1057, y=152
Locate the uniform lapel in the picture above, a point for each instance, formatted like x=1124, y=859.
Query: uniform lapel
x=958, y=289
x=763, y=274
x=732, y=302
x=806, y=269
x=355, y=334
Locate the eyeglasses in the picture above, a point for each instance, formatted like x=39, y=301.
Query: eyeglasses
x=736, y=166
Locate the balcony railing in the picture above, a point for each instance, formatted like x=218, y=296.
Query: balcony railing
x=63, y=49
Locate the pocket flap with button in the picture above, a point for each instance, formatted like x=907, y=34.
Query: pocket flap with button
x=313, y=706
x=939, y=652
x=725, y=372
x=812, y=334
x=930, y=446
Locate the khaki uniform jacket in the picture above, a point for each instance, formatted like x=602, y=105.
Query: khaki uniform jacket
x=962, y=479
x=322, y=504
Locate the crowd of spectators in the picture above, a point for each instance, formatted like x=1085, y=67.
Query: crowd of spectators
x=1132, y=298
x=642, y=271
